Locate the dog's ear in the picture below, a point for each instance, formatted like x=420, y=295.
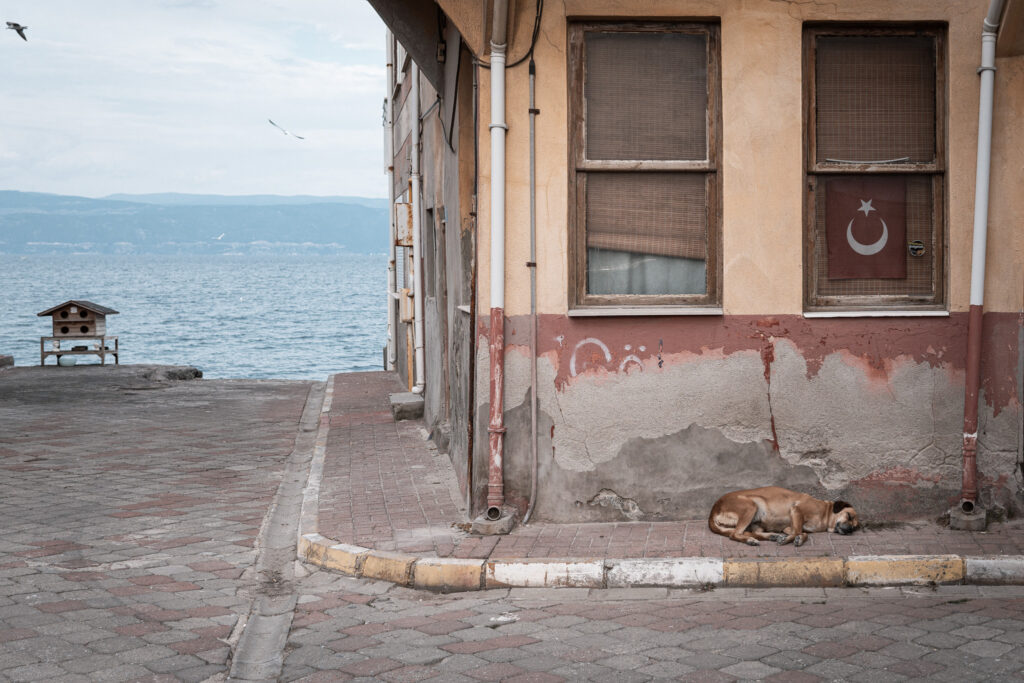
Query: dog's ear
x=838, y=506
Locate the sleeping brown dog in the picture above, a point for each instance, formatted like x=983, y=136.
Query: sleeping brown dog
x=772, y=513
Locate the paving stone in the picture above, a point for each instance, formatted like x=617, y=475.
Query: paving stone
x=173, y=664
x=457, y=663
x=832, y=670
x=34, y=672
x=420, y=656
x=123, y=672
x=750, y=670
x=986, y=648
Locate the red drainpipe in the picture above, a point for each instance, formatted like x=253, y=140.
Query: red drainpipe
x=969, y=490
x=496, y=429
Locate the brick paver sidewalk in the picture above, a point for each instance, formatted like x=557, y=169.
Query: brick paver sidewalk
x=385, y=487
x=129, y=506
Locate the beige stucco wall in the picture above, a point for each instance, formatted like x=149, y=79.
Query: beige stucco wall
x=762, y=149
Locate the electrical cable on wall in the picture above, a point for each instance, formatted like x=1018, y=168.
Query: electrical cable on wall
x=533, y=41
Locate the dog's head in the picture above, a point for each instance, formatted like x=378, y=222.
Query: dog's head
x=844, y=520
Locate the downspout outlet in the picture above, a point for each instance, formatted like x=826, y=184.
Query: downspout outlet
x=496, y=521
x=967, y=516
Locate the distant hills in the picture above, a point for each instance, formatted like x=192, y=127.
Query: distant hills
x=169, y=223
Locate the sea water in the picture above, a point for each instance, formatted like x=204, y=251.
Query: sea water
x=244, y=316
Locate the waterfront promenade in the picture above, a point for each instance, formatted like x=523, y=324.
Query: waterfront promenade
x=151, y=524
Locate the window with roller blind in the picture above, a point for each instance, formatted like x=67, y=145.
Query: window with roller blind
x=644, y=165
x=875, y=168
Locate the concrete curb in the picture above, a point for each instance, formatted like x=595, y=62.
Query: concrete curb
x=449, y=575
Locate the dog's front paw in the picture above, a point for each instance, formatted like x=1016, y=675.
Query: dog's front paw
x=753, y=541
x=800, y=540
x=779, y=538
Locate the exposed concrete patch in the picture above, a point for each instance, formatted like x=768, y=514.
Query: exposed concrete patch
x=609, y=499
x=676, y=476
x=910, y=414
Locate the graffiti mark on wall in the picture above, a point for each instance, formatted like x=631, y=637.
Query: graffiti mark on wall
x=628, y=360
x=592, y=353
x=589, y=341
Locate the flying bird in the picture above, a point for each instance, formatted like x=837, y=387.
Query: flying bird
x=285, y=131
x=220, y=236
x=15, y=26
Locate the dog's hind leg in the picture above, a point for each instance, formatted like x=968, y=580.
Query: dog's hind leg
x=746, y=517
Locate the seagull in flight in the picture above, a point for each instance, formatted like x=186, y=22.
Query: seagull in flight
x=220, y=236
x=15, y=26
x=285, y=131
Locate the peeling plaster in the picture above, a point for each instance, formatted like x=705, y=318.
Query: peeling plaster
x=877, y=421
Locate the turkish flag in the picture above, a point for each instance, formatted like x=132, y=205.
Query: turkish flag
x=866, y=227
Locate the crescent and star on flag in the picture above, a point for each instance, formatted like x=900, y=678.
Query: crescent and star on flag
x=867, y=249
x=882, y=209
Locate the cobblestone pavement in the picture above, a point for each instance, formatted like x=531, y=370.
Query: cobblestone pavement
x=405, y=500
x=129, y=507
x=346, y=629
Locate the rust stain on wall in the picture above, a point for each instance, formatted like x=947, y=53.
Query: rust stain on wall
x=899, y=475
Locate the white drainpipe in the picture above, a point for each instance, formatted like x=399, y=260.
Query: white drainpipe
x=988, y=78
x=417, y=240
x=498, y=131
x=389, y=160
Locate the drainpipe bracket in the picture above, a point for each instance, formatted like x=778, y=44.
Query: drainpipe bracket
x=986, y=68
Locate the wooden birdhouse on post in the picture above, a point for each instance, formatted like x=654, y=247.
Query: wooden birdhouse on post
x=79, y=328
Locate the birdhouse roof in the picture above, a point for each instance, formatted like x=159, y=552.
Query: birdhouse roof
x=88, y=305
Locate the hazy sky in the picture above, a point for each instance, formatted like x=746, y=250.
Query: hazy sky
x=174, y=95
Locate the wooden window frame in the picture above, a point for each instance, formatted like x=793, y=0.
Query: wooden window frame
x=815, y=171
x=579, y=166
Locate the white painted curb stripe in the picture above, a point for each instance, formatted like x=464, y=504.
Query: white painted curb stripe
x=546, y=574
x=1002, y=569
x=671, y=572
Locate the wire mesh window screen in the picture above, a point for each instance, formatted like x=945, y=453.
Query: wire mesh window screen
x=875, y=98
x=647, y=213
x=646, y=233
x=920, y=280
x=646, y=96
